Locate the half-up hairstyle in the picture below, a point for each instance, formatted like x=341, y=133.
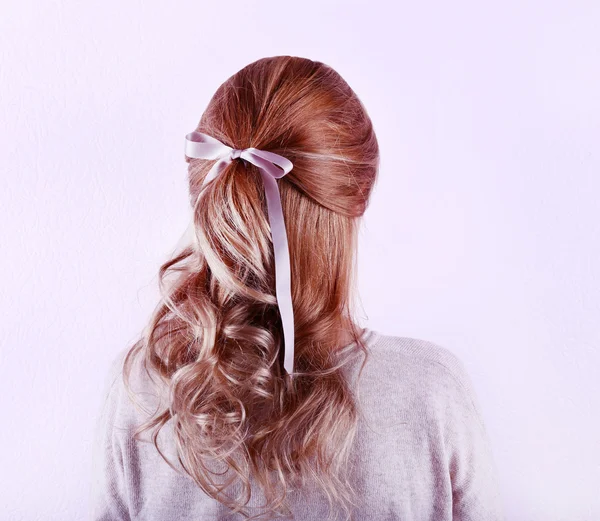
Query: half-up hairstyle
x=213, y=342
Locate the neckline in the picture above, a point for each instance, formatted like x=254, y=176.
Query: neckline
x=365, y=337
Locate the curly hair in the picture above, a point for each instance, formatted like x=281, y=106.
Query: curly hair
x=214, y=338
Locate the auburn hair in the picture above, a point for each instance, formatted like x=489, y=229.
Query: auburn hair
x=214, y=339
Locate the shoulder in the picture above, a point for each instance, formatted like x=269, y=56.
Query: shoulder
x=114, y=371
x=424, y=367
x=418, y=352
x=128, y=404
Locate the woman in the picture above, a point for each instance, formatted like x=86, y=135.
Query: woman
x=254, y=393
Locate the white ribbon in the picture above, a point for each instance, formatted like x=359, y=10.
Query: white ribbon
x=203, y=146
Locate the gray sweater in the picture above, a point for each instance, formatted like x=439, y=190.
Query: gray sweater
x=421, y=453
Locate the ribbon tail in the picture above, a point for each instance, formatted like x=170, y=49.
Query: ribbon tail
x=215, y=170
x=283, y=286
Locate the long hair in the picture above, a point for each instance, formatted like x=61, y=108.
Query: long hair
x=214, y=339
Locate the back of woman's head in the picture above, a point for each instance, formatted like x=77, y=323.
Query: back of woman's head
x=215, y=338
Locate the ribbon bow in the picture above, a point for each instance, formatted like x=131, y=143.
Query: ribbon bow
x=203, y=146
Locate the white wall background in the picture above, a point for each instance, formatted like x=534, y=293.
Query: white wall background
x=483, y=233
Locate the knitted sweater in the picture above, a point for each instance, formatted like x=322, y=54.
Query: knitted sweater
x=421, y=452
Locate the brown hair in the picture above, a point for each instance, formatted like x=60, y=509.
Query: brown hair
x=214, y=339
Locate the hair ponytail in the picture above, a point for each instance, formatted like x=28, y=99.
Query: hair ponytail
x=214, y=339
